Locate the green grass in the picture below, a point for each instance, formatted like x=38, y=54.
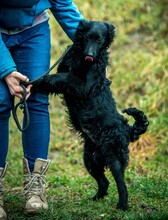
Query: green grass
x=138, y=68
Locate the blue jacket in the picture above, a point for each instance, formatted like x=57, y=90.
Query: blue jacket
x=16, y=13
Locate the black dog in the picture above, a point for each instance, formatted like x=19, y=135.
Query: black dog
x=92, y=109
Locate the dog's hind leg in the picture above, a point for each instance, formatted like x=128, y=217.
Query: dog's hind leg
x=117, y=170
x=95, y=169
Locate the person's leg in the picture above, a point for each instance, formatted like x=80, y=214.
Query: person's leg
x=5, y=108
x=5, y=111
x=32, y=57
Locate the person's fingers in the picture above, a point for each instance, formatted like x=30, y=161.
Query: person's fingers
x=19, y=95
x=28, y=90
x=20, y=76
x=16, y=90
x=13, y=81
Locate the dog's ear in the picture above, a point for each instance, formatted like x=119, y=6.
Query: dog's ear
x=110, y=34
x=83, y=27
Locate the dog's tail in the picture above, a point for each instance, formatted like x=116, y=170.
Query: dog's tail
x=141, y=123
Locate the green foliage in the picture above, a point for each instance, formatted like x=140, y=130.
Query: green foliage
x=138, y=68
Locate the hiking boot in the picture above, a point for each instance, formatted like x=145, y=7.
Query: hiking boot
x=35, y=186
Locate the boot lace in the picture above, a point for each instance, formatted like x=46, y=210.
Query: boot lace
x=36, y=185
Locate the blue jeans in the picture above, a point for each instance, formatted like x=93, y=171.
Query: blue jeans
x=30, y=50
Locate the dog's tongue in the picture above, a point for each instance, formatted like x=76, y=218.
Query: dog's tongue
x=89, y=58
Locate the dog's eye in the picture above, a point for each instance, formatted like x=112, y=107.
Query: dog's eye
x=99, y=39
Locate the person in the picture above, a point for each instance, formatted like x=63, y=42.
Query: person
x=25, y=55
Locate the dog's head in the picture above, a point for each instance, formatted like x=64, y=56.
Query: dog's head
x=94, y=37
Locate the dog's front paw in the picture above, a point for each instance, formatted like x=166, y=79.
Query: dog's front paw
x=43, y=85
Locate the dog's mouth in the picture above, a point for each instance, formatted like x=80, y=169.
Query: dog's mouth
x=89, y=58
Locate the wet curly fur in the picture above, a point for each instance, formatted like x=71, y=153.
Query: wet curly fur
x=92, y=111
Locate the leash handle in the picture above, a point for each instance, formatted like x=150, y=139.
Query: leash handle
x=22, y=104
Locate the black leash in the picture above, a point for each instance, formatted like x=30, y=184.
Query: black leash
x=22, y=104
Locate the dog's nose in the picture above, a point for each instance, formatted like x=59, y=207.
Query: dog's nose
x=89, y=53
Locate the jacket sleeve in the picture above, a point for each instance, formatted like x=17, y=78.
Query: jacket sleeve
x=7, y=65
x=67, y=15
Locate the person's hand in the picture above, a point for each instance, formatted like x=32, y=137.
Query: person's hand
x=13, y=83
